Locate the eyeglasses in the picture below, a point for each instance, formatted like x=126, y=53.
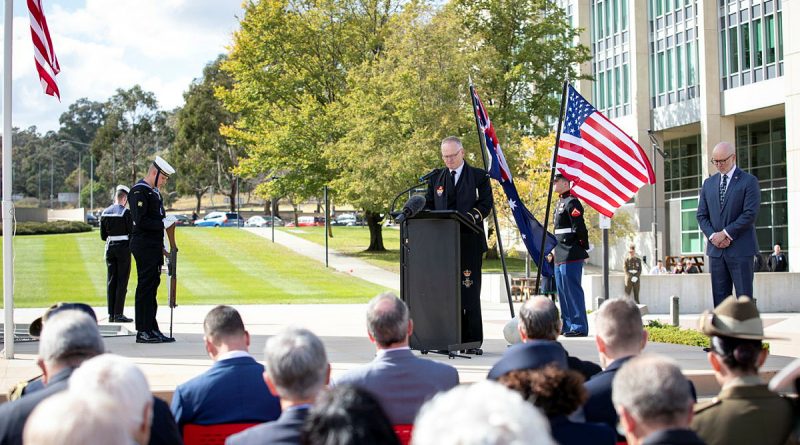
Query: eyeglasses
x=720, y=161
x=452, y=156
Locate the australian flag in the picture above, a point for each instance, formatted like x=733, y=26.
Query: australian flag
x=530, y=229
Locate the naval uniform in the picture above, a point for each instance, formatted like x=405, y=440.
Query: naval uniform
x=116, y=224
x=470, y=195
x=147, y=246
x=570, y=253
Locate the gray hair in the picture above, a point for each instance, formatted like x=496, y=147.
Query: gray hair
x=454, y=139
x=68, y=338
x=121, y=380
x=296, y=363
x=70, y=419
x=652, y=388
x=484, y=413
x=223, y=321
x=387, y=319
x=619, y=325
x=539, y=318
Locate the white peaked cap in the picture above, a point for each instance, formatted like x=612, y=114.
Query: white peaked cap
x=123, y=188
x=163, y=166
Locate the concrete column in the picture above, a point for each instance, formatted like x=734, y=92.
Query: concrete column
x=714, y=127
x=791, y=66
x=582, y=18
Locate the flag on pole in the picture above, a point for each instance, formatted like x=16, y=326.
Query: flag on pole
x=43, y=54
x=606, y=165
x=530, y=229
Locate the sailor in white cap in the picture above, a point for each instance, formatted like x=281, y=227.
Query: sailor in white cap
x=116, y=224
x=147, y=247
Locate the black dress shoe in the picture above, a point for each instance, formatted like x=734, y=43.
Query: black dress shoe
x=120, y=319
x=147, y=337
x=474, y=351
x=164, y=338
x=575, y=334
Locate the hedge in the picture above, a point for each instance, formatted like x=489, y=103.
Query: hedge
x=663, y=333
x=53, y=227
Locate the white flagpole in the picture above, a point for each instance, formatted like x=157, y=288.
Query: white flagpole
x=7, y=208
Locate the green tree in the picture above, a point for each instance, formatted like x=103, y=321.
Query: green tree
x=202, y=155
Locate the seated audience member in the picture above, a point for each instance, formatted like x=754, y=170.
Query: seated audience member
x=35, y=330
x=296, y=370
x=68, y=418
x=680, y=267
x=559, y=392
x=691, y=267
x=654, y=403
x=484, y=413
x=68, y=339
x=777, y=261
x=149, y=419
x=347, y=415
x=233, y=389
x=659, y=268
x=540, y=322
x=620, y=336
x=745, y=411
x=399, y=380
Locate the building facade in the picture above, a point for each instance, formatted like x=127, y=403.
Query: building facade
x=694, y=73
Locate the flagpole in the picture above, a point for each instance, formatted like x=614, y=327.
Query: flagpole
x=494, y=210
x=550, y=183
x=7, y=209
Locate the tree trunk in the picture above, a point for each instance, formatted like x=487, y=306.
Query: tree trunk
x=234, y=192
x=375, y=233
x=491, y=235
x=199, y=197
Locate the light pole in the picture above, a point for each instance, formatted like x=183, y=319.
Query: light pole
x=656, y=149
x=91, y=174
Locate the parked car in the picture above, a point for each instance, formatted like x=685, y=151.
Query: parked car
x=263, y=221
x=346, y=219
x=92, y=220
x=182, y=220
x=310, y=221
x=221, y=219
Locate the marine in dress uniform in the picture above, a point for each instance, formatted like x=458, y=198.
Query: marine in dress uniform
x=570, y=253
x=116, y=225
x=147, y=246
x=633, y=273
x=462, y=187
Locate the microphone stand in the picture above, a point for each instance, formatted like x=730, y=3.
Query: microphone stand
x=394, y=201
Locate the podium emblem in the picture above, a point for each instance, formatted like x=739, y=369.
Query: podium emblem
x=467, y=282
x=439, y=190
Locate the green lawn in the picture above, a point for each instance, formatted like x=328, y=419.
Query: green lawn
x=355, y=240
x=215, y=266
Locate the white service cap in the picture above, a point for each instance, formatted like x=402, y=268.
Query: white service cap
x=163, y=166
x=123, y=188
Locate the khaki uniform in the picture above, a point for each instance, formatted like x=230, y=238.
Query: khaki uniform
x=745, y=413
x=633, y=272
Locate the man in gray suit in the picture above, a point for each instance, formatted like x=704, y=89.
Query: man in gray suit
x=400, y=381
x=726, y=212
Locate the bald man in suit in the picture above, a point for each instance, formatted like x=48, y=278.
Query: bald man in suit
x=726, y=212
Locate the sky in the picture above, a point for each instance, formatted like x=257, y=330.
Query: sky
x=104, y=45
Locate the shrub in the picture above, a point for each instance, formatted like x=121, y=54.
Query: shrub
x=662, y=333
x=53, y=227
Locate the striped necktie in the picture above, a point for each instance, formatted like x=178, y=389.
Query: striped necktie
x=722, y=189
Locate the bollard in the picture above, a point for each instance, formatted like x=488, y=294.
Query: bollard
x=674, y=310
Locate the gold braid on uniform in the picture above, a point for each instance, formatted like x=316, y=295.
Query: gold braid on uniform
x=476, y=217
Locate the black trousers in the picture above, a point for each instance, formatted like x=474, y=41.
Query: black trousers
x=118, y=263
x=149, y=258
x=471, y=263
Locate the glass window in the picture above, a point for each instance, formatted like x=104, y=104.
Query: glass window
x=679, y=66
x=625, y=84
x=691, y=236
x=724, y=52
x=661, y=69
x=758, y=49
x=770, y=39
x=670, y=75
x=733, y=41
x=691, y=62
x=624, y=10
x=682, y=165
x=780, y=36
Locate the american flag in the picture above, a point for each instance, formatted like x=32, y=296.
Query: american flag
x=606, y=165
x=530, y=229
x=43, y=54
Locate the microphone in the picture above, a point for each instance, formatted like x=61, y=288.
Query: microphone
x=428, y=176
x=411, y=208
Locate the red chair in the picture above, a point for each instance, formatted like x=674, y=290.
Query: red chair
x=211, y=434
x=403, y=433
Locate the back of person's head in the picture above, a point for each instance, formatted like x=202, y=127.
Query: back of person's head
x=122, y=381
x=539, y=319
x=223, y=322
x=484, y=413
x=67, y=418
x=387, y=319
x=68, y=338
x=347, y=415
x=741, y=356
x=556, y=391
x=296, y=364
x=619, y=325
x=653, y=390
x=736, y=332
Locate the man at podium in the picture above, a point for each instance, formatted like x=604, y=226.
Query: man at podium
x=459, y=186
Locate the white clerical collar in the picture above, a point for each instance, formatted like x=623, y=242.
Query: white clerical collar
x=232, y=354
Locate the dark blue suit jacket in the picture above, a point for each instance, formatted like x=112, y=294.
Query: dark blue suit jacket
x=567, y=432
x=284, y=431
x=737, y=216
x=14, y=414
x=231, y=391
